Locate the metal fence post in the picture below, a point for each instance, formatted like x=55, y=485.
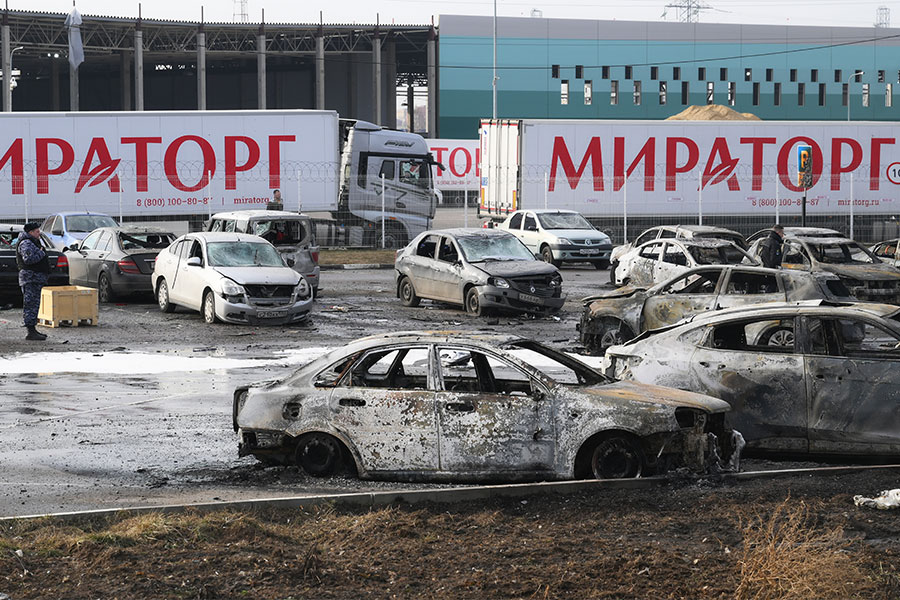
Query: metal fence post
x=851, y=206
x=382, y=211
x=624, y=210
x=699, y=197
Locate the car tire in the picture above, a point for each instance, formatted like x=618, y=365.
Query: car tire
x=473, y=302
x=612, y=271
x=547, y=256
x=162, y=297
x=318, y=454
x=601, y=264
x=617, y=457
x=611, y=332
x=209, y=307
x=105, y=292
x=782, y=337
x=408, y=295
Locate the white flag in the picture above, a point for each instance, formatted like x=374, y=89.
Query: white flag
x=76, y=50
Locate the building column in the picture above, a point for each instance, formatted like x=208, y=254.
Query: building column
x=320, y=69
x=376, y=64
x=6, y=64
x=391, y=82
x=73, y=88
x=138, y=67
x=261, y=68
x=411, y=104
x=201, y=68
x=125, y=70
x=432, y=85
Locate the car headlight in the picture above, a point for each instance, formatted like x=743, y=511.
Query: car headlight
x=556, y=280
x=498, y=282
x=302, y=288
x=602, y=241
x=565, y=242
x=230, y=288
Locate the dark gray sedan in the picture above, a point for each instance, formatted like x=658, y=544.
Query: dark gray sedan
x=480, y=269
x=117, y=260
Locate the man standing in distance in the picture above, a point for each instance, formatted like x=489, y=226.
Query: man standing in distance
x=34, y=269
x=770, y=251
x=276, y=203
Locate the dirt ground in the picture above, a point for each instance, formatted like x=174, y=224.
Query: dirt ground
x=354, y=256
x=785, y=538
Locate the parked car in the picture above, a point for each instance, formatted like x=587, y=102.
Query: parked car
x=687, y=232
x=833, y=390
x=232, y=277
x=559, y=236
x=447, y=406
x=480, y=269
x=291, y=233
x=865, y=275
x=66, y=228
x=117, y=260
x=10, y=292
x=658, y=260
x=798, y=232
x=616, y=317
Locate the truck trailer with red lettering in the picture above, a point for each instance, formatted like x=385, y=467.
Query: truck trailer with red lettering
x=174, y=164
x=681, y=170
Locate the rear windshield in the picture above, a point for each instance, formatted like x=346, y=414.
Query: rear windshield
x=283, y=232
x=87, y=223
x=150, y=241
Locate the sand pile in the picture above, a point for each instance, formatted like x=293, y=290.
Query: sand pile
x=712, y=112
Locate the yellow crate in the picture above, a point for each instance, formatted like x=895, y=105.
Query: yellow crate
x=68, y=305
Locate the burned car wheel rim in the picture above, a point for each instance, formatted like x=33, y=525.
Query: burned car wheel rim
x=318, y=454
x=781, y=337
x=614, y=332
x=617, y=458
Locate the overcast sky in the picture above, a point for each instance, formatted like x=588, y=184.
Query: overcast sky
x=860, y=13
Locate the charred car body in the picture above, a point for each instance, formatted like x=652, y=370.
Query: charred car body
x=658, y=260
x=444, y=406
x=834, y=389
x=616, y=317
x=480, y=269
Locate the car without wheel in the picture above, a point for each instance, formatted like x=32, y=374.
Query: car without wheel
x=559, y=236
x=831, y=387
x=448, y=406
x=10, y=292
x=231, y=277
x=480, y=269
x=658, y=260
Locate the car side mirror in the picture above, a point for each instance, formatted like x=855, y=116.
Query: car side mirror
x=194, y=261
x=74, y=246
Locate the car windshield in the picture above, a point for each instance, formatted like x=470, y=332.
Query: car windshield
x=480, y=248
x=243, y=254
x=145, y=240
x=86, y=223
x=563, y=221
x=718, y=255
x=281, y=231
x=842, y=254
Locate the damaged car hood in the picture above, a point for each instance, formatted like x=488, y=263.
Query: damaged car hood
x=629, y=391
x=626, y=291
x=260, y=275
x=516, y=268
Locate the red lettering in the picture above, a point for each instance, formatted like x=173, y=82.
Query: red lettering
x=16, y=155
x=672, y=169
x=757, y=161
x=275, y=158
x=43, y=162
x=784, y=156
x=561, y=156
x=140, y=158
x=875, y=162
x=836, y=152
x=725, y=168
x=170, y=163
x=478, y=163
x=231, y=166
x=106, y=168
x=453, y=161
x=647, y=154
x=439, y=157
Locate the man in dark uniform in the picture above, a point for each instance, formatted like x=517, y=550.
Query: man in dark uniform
x=770, y=248
x=34, y=269
x=276, y=203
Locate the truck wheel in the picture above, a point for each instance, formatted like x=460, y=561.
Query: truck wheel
x=408, y=295
x=162, y=297
x=394, y=237
x=547, y=255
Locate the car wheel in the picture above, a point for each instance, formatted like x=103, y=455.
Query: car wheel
x=318, y=454
x=473, y=302
x=611, y=333
x=547, y=256
x=612, y=271
x=601, y=264
x=209, y=307
x=617, y=457
x=408, y=295
x=162, y=297
x=780, y=336
x=104, y=289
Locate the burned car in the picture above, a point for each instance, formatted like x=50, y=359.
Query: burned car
x=798, y=232
x=480, y=269
x=864, y=274
x=658, y=260
x=834, y=389
x=616, y=317
x=448, y=406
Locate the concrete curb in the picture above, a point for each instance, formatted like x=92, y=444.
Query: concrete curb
x=353, y=267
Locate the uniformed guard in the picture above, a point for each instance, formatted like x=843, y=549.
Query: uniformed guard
x=34, y=270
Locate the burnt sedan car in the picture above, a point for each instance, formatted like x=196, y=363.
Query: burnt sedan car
x=445, y=406
x=834, y=389
x=10, y=292
x=117, y=260
x=480, y=269
x=616, y=317
x=658, y=260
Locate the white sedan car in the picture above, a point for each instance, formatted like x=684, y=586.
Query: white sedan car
x=233, y=277
x=661, y=259
x=559, y=236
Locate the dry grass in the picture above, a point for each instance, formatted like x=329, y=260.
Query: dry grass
x=785, y=557
x=355, y=257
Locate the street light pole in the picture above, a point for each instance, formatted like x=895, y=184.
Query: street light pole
x=9, y=84
x=494, y=78
x=856, y=74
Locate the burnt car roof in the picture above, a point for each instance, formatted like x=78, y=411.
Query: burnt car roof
x=826, y=240
x=701, y=242
x=494, y=339
x=468, y=232
x=817, y=307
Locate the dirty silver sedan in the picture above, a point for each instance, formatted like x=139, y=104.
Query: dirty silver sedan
x=444, y=406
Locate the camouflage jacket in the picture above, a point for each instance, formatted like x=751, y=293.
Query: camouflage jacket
x=31, y=253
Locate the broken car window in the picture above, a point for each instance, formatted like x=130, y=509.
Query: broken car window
x=720, y=255
x=134, y=241
x=843, y=253
x=243, y=254
x=563, y=221
x=85, y=223
x=281, y=232
x=763, y=335
x=428, y=246
x=751, y=283
x=398, y=368
x=703, y=282
x=480, y=248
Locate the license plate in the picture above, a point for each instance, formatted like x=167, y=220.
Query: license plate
x=590, y=251
x=271, y=314
x=530, y=298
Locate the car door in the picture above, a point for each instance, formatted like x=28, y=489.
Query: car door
x=167, y=264
x=643, y=265
x=764, y=384
x=187, y=285
x=96, y=256
x=492, y=418
x=422, y=265
x=530, y=235
x=690, y=294
x=851, y=367
x=447, y=271
x=674, y=260
x=514, y=226
x=386, y=406
x=742, y=287
x=79, y=259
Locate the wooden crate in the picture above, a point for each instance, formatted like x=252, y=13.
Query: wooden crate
x=68, y=305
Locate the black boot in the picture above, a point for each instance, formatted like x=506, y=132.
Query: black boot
x=34, y=334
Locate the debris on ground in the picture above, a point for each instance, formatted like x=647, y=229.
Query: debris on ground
x=887, y=500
